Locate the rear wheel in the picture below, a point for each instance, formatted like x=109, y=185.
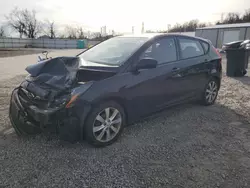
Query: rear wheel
x=210, y=93
x=104, y=124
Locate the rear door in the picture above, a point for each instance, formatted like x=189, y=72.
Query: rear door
x=192, y=64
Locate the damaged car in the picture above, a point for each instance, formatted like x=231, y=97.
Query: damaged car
x=93, y=95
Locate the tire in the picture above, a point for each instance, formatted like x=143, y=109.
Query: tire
x=99, y=131
x=210, y=92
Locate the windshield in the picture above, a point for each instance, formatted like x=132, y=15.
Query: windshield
x=114, y=51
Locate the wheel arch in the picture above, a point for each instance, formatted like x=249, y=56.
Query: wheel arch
x=218, y=80
x=116, y=99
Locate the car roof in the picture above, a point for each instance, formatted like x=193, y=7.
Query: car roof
x=156, y=35
x=146, y=35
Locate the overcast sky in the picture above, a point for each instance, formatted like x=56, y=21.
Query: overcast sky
x=120, y=15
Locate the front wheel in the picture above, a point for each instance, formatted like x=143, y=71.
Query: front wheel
x=210, y=93
x=104, y=124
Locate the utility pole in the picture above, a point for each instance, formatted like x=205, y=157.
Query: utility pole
x=169, y=26
x=101, y=30
x=105, y=30
x=222, y=17
x=142, y=27
x=133, y=29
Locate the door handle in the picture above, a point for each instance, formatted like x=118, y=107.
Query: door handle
x=175, y=73
x=204, y=61
x=175, y=69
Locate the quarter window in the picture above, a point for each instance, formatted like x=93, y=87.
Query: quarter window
x=190, y=48
x=206, y=46
x=163, y=51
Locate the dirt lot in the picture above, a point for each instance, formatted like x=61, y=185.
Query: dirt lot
x=186, y=146
x=12, y=66
x=10, y=52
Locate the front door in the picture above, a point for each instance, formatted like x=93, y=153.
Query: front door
x=152, y=89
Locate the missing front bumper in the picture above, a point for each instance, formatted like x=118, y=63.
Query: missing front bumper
x=19, y=118
x=30, y=120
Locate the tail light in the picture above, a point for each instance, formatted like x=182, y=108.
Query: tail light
x=216, y=51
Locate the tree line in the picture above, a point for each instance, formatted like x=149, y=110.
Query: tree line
x=234, y=17
x=190, y=26
x=26, y=24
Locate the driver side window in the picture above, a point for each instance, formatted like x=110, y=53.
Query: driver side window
x=164, y=51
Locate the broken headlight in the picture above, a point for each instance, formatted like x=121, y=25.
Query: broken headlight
x=60, y=101
x=77, y=92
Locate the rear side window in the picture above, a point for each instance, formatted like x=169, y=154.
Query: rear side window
x=190, y=48
x=205, y=46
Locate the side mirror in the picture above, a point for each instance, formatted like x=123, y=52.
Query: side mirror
x=146, y=63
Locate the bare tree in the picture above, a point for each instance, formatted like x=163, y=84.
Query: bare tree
x=232, y=18
x=49, y=29
x=81, y=34
x=97, y=36
x=16, y=21
x=33, y=26
x=2, y=32
x=71, y=32
x=246, y=16
x=24, y=22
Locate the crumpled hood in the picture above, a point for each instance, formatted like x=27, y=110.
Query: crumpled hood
x=58, y=72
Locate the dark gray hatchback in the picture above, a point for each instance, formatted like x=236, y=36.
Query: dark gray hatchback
x=95, y=94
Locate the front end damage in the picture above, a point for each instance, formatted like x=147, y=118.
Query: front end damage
x=45, y=101
x=30, y=116
x=39, y=103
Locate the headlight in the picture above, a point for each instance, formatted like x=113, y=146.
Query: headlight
x=77, y=92
x=72, y=100
x=60, y=101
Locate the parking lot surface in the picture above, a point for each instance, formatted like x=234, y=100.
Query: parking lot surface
x=185, y=146
x=12, y=66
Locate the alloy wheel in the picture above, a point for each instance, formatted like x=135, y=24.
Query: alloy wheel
x=211, y=92
x=107, y=124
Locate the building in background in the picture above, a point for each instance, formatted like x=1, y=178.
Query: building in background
x=191, y=34
x=221, y=34
x=44, y=37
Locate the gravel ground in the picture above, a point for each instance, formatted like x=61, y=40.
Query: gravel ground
x=185, y=146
